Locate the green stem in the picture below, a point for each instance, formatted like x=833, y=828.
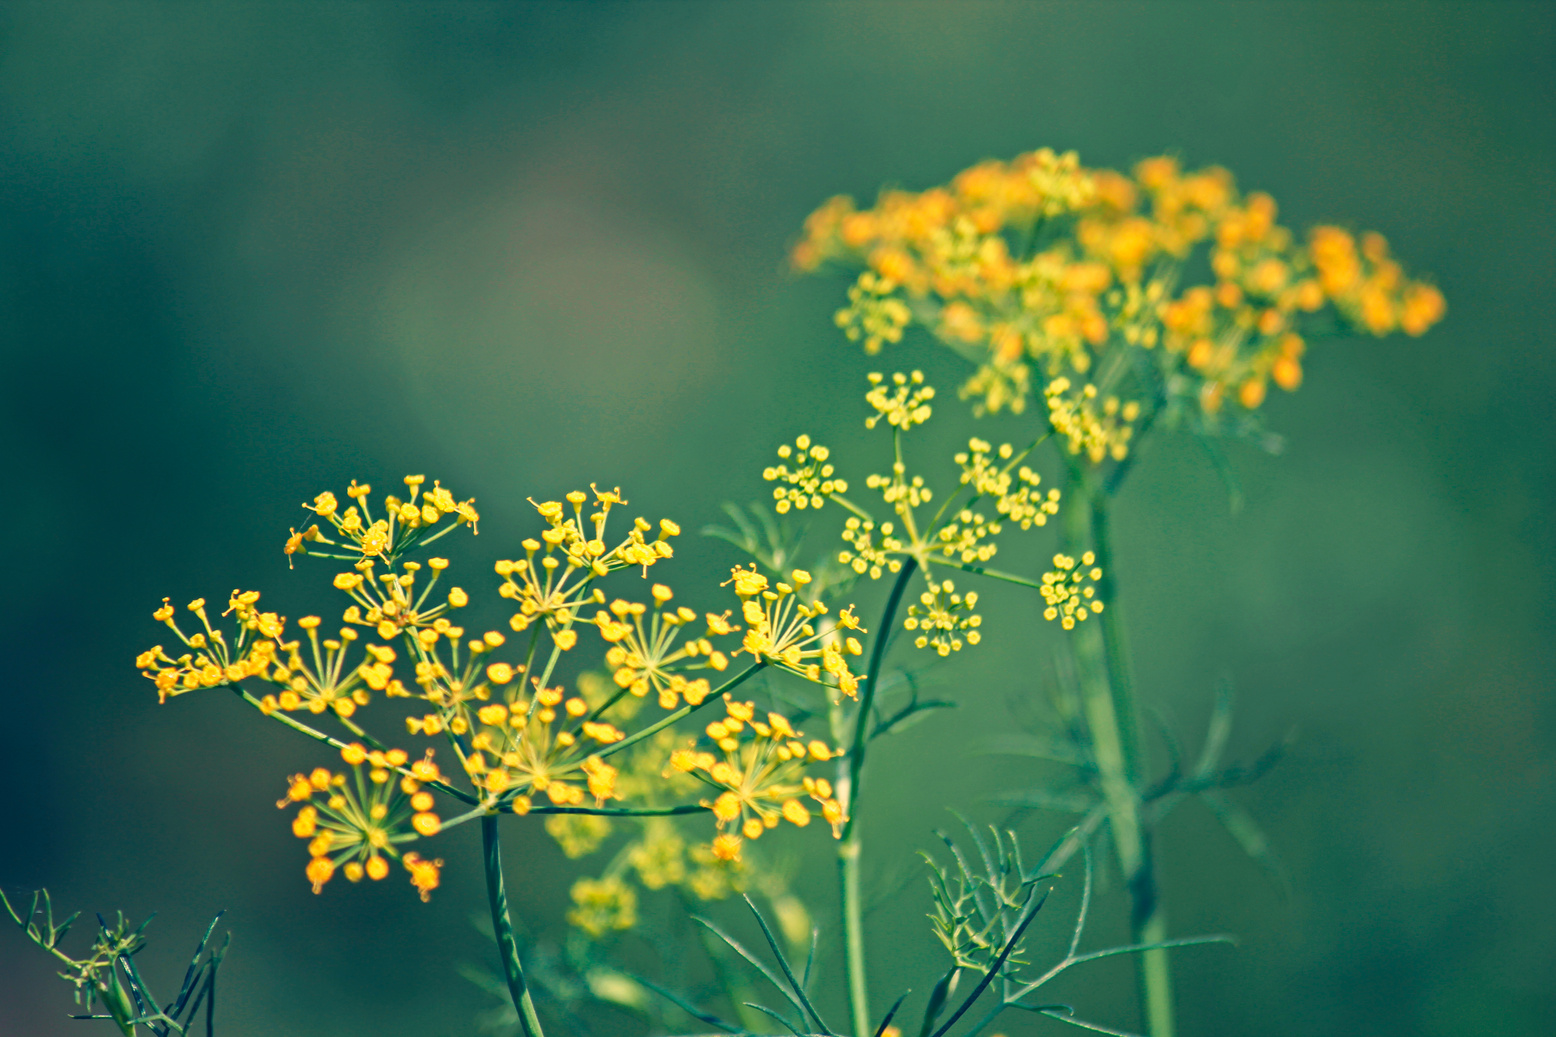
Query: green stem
x=502, y=925
x=1120, y=669
x=848, y=851
x=1112, y=715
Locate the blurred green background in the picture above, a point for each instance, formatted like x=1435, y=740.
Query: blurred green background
x=250, y=252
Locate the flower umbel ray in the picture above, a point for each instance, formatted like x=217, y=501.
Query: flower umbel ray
x=210, y=661
x=522, y=748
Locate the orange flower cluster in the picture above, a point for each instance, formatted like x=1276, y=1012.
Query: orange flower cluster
x=1039, y=265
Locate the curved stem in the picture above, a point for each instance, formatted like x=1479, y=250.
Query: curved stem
x=848, y=847
x=502, y=926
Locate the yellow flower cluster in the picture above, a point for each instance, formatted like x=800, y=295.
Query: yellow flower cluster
x=1013, y=488
x=874, y=314
x=902, y=407
x=1098, y=431
x=780, y=628
x=517, y=738
x=326, y=682
x=356, y=826
x=393, y=605
x=943, y=618
x=809, y=483
x=603, y=905
x=524, y=747
x=646, y=657
x=210, y=661
x=868, y=554
x=1371, y=288
x=760, y=772
x=572, y=554
x=414, y=521
x=1069, y=590
x=1042, y=264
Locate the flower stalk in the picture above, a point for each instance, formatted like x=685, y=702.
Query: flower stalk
x=502, y=926
x=1106, y=675
x=848, y=851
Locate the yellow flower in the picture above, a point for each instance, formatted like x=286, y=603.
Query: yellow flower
x=1100, y=430
x=1093, y=297
x=906, y=406
x=646, y=657
x=355, y=825
x=602, y=905
x=406, y=523
x=760, y=772
x=1070, y=590
x=809, y=483
x=874, y=315
x=212, y=662
x=781, y=629
x=553, y=581
x=943, y=618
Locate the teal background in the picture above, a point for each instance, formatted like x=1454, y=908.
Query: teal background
x=250, y=252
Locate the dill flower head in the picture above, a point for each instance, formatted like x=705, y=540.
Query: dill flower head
x=1039, y=269
x=1012, y=486
x=325, y=681
x=1100, y=430
x=552, y=581
x=809, y=483
x=356, y=826
x=644, y=654
x=603, y=905
x=904, y=405
x=943, y=618
x=874, y=314
x=760, y=771
x=521, y=748
x=418, y=519
x=391, y=604
x=874, y=552
x=781, y=628
x=210, y=662
x=1070, y=590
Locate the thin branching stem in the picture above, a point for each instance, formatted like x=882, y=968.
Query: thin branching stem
x=319, y=736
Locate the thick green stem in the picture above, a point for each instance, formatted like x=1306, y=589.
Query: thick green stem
x=848, y=850
x=853, y=934
x=502, y=925
x=1120, y=670
x=1112, y=716
x=1152, y=968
